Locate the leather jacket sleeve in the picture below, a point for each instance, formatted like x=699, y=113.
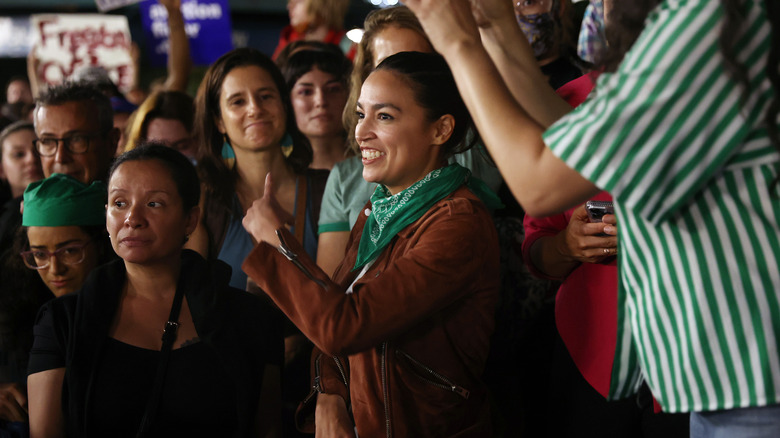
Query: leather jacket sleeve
x=439, y=265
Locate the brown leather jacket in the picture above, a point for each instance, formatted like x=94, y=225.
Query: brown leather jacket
x=415, y=332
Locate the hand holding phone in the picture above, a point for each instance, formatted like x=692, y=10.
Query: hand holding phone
x=597, y=209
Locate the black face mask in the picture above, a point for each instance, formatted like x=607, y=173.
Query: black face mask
x=539, y=29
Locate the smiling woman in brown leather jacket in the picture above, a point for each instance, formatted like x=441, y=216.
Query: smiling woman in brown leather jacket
x=403, y=328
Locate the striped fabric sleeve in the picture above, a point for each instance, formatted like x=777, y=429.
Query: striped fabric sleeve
x=660, y=128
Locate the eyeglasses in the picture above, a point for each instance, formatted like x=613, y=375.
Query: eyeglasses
x=75, y=144
x=40, y=258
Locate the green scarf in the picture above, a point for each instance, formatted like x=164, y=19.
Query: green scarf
x=392, y=213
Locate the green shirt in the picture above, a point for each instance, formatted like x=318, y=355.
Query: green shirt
x=690, y=170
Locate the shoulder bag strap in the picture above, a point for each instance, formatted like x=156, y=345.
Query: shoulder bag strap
x=169, y=335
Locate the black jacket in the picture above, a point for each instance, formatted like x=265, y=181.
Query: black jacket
x=239, y=326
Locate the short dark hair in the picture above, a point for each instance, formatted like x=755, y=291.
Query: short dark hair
x=181, y=169
x=173, y=105
x=434, y=89
x=77, y=92
x=326, y=57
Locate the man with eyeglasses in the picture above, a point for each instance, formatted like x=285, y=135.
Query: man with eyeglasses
x=76, y=137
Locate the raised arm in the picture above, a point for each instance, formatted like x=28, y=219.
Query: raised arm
x=536, y=177
x=179, y=61
x=507, y=46
x=32, y=73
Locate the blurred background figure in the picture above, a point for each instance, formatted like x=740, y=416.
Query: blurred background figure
x=19, y=166
x=547, y=24
x=317, y=76
x=318, y=20
x=165, y=117
x=18, y=90
x=592, y=40
x=18, y=103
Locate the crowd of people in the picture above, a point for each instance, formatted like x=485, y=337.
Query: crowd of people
x=390, y=238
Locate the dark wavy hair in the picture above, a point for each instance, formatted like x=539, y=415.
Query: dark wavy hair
x=215, y=174
x=180, y=168
x=434, y=89
x=626, y=21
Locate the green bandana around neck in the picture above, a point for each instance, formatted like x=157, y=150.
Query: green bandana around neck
x=392, y=213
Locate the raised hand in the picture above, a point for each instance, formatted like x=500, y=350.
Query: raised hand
x=488, y=12
x=266, y=215
x=448, y=23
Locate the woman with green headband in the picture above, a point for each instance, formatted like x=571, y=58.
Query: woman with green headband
x=403, y=328
x=63, y=238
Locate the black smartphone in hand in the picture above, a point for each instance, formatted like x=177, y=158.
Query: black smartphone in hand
x=597, y=209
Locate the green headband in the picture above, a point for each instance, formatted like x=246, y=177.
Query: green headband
x=61, y=200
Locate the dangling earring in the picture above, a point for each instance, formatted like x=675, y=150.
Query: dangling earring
x=287, y=145
x=228, y=156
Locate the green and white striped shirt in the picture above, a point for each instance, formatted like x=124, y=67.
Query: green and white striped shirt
x=690, y=169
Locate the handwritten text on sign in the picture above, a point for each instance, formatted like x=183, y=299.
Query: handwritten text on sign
x=66, y=42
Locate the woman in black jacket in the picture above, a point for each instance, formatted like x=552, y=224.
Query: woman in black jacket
x=98, y=366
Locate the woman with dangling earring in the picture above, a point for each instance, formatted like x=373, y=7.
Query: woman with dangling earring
x=245, y=128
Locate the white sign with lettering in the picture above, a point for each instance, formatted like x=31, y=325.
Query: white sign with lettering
x=63, y=43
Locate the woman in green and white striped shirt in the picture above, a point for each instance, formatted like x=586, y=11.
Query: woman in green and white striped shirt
x=684, y=134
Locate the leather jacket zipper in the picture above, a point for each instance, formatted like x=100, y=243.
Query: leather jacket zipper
x=293, y=257
x=388, y=427
x=437, y=379
x=341, y=371
x=316, y=387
